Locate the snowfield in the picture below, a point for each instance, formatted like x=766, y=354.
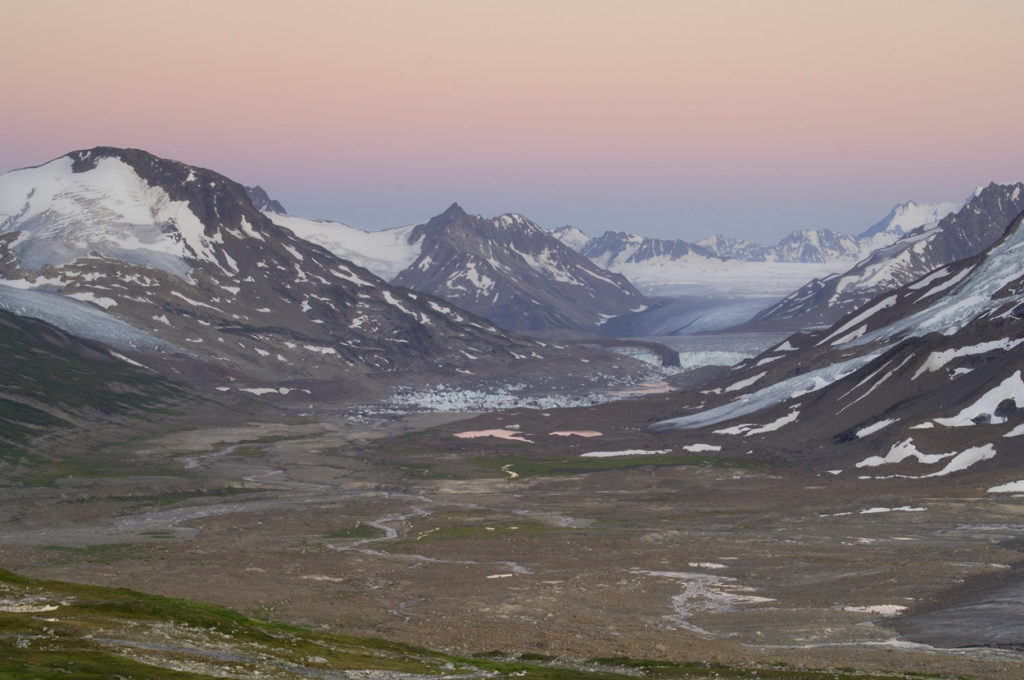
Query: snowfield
x=906, y=449
x=109, y=210
x=627, y=452
x=385, y=253
x=79, y=318
x=767, y=396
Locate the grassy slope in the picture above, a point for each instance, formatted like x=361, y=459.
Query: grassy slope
x=51, y=381
x=53, y=629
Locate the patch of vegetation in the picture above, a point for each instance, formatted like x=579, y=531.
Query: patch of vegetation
x=477, y=531
x=179, y=496
x=248, y=451
x=103, y=553
x=360, y=530
x=111, y=462
x=539, y=467
x=49, y=380
x=159, y=533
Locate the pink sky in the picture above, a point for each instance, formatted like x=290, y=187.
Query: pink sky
x=668, y=118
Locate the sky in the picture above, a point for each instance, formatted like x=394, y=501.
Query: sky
x=667, y=118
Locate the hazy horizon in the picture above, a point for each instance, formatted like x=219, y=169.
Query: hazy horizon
x=669, y=119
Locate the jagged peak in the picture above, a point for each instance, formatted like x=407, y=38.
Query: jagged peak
x=994, y=187
x=569, y=229
x=515, y=220
x=453, y=211
x=262, y=200
x=84, y=160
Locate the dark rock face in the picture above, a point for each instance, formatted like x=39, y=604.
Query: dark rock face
x=963, y=234
x=514, y=273
x=239, y=293
x=263, y=202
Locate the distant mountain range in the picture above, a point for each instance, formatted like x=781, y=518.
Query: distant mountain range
x=658, y=265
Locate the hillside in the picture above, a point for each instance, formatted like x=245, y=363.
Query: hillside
x=961, y=234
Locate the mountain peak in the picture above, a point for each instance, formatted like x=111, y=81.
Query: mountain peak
x=453, y=211
x=263, y=202
x=905, y=217
x=85, y=160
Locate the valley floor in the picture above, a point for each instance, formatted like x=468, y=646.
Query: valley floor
x=411, y=535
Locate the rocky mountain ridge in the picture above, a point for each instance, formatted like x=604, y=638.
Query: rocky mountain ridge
x=805, y=245
x=506, y=269
x=617, y=249
x=922, y=381
x=722, y=266
x=979, y=223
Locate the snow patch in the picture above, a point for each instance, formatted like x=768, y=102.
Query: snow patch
x=937, y=360
x=860, y=318
x=747, y=429
x=902, y=508
x=1009, y=487
x=884, y=610
x=906, y=449
x=626, y=452
x=871, y=429
x=260, y=391
x=747, y=382
x=983, y=410
x=84, y=296
x=511, y=435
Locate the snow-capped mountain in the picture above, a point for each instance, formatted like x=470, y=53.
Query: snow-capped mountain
x=617, y=249
x=957, y=235
x=803, y=246
x=571, y=236
x=513, y=272
x=506, y=269
x=814, y=245
x=922, y=381
x=730, y=248
x=903, y=219
x=121, y=239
